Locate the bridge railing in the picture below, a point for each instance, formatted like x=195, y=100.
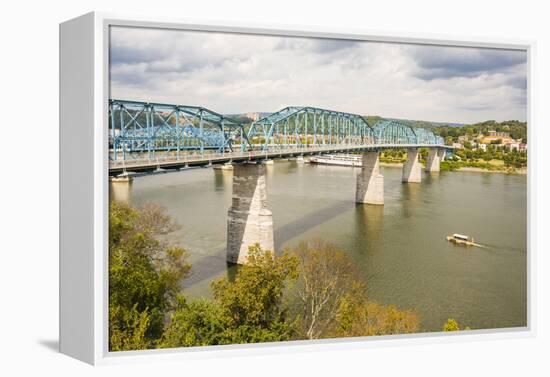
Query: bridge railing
x=216, y=157
x=213, y=156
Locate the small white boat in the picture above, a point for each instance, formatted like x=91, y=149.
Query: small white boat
x=461, y=239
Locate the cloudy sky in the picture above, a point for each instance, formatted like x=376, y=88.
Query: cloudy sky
x=237, y=73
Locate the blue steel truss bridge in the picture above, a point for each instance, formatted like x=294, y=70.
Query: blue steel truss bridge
x=147, y=136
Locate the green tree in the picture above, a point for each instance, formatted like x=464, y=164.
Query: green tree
x=196, y=323
x=144, y=275
x=248, y=309
x=127, y=328
x=252, y=305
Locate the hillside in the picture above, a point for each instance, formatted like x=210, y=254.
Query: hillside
x=517, y=129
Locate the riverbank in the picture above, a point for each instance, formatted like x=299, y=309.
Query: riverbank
x=522, y=171
x=391, y=164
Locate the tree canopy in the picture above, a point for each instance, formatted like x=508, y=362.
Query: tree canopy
x=248, y=309
x=144, y=275
x=517, y=129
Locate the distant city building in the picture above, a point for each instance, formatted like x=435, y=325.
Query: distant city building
x=463, y=138
x=254, y=116
x=458, y=146
x=493, y=136
x=483, y=147
x=499, y=134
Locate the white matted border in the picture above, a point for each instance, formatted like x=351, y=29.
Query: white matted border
x=99, y=285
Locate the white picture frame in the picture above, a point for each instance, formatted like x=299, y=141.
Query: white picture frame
x=84, y=44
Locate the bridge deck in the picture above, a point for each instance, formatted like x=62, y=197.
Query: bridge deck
x=184, y=160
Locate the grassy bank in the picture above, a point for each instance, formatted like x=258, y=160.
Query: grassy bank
x=494, y=166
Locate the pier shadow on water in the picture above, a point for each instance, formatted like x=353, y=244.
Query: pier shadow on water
x=213, y=265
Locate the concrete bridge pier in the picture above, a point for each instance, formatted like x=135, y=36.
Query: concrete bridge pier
x=434, y=158
x=249, y=221
x=120, y=188
x=228, y=166
x=412, y=170
x=370, y=183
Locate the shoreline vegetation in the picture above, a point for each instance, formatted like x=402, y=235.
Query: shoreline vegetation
x=465, y=168
x=485, y=147
x=311, y=291
x=492, y=162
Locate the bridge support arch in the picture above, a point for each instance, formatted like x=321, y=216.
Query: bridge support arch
x=249, y=221
x=412, y=170
x=435, y=156
x=370, y=183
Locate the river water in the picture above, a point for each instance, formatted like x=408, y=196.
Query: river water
x=399, y=248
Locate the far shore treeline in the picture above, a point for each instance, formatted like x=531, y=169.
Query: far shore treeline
x=468, y=152
x=516, y=128
x=309, y=292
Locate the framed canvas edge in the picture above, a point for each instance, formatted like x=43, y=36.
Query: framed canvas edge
x=103, y=21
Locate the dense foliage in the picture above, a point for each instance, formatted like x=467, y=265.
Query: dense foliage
x=495, y=158
x=248, y=309
x=517, y=129
x=144, y=275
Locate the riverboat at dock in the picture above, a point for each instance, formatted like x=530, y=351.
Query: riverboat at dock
x=339, y=160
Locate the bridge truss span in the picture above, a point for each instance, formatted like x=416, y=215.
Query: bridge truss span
x=144, y=132
x=396, y=132
x=304, y=127
x=141, y=129
x=393, y=132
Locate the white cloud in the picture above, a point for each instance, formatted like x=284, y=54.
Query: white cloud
x=234, y=73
